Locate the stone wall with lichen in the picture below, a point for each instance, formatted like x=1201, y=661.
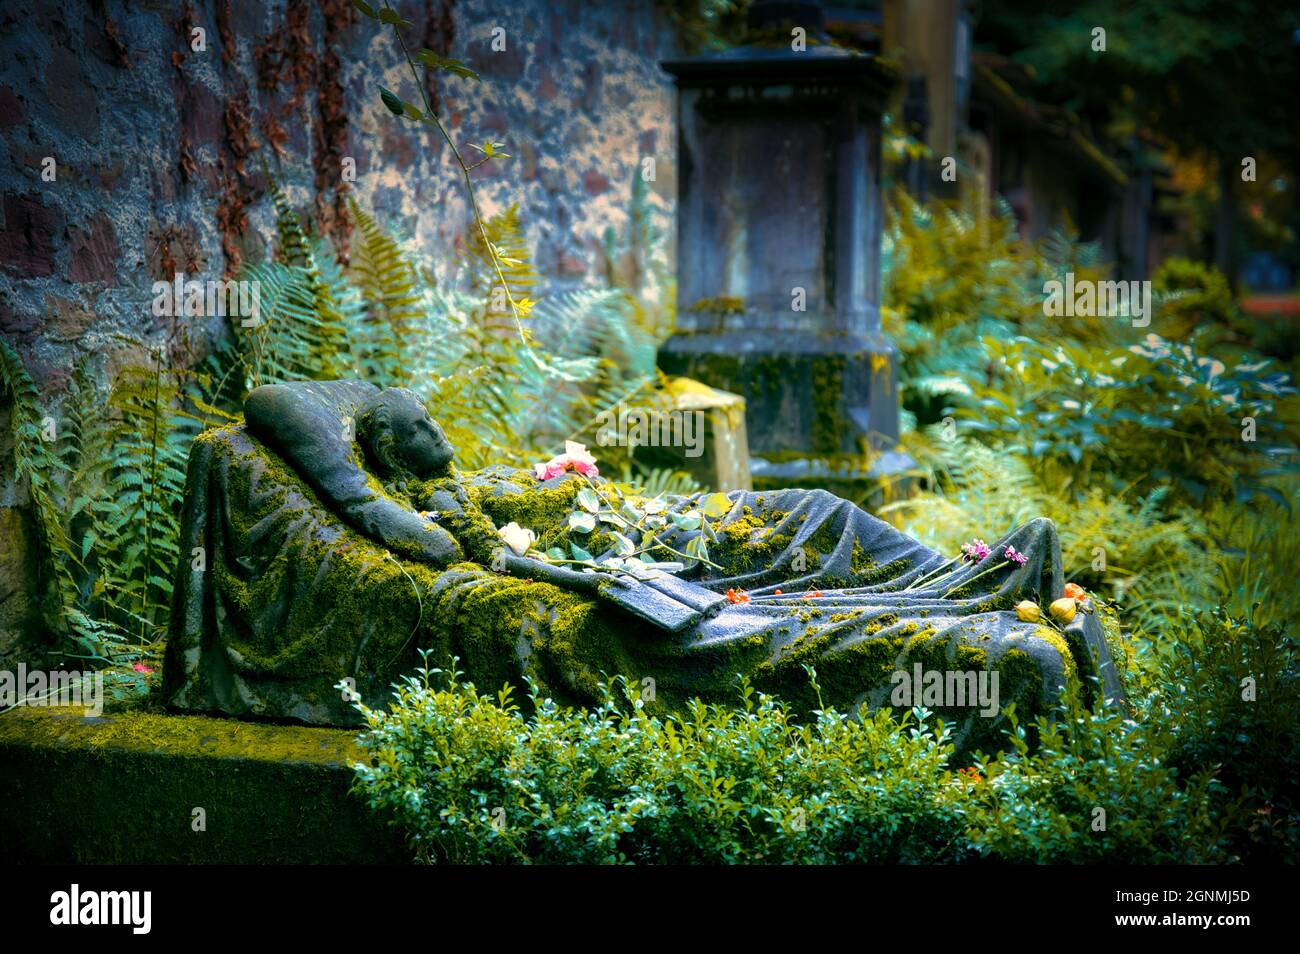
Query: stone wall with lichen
x=161, y=140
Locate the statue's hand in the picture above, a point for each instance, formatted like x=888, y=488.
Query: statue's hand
x=440, y=547
x=405, y=531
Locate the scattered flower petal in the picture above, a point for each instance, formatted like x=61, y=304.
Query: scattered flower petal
x=575, y=456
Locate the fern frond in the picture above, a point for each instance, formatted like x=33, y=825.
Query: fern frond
x=36, y=463
x=330, y=346
x=506, y=235
x=653, y=482
x=154, y=415
x=394, y=314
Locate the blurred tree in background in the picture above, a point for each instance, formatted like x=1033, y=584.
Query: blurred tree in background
x=1214, y=80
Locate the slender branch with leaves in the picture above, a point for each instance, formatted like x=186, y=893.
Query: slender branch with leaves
x=519, y=308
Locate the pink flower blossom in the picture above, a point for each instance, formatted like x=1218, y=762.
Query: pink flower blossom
x=141, y=667
x=1016, y=557
x=575, y=456
x=975, y=551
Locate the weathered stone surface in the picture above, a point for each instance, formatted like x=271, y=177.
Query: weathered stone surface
x=808, y=395
x=93, y=251
x=16, y=326
x=154, y=133
x=30, y=231
x=11, y=108
x=778, y=265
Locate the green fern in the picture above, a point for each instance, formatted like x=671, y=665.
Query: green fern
x=505, y=233
x=394, y=312
x=499, y=400
x=37, y=465
x=502, y=404
x=64, y=473
x=154, y=414
x=87, y=455
x=652, y=482
x=307, y=292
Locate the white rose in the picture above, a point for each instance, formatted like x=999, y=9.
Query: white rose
x=517, y=538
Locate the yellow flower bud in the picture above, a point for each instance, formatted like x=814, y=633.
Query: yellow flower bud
x=1028, y=612
x=1063, y=609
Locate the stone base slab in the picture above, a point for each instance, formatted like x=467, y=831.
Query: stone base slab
x=123, y=789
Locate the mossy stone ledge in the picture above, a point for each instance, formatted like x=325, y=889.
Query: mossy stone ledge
x=122, y=788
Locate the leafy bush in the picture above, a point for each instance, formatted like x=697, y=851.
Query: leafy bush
x=1192, y=296
x=951, y=281
x=1230, y=703
x=1205, y=771
x=1195, y=298
x=1094, y=790
x=1153, y=413
x=472, y=779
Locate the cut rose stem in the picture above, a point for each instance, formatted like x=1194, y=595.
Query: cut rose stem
x=978, y=576
x=653, y=536
x=933, y=576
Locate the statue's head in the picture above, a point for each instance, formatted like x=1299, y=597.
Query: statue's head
x=401, y=438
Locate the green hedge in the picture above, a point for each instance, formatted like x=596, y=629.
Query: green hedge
x=470, y=777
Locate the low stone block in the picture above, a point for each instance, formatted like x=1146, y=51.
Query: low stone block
x=709, y=438
x=123, y=789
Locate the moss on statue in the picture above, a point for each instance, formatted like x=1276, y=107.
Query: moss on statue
x=540, y=507
x=750, y=544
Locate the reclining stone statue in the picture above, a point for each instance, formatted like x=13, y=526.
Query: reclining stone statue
x=338, y=539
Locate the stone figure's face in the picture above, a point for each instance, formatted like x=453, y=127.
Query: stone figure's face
x=420, y=444
x=403, y=437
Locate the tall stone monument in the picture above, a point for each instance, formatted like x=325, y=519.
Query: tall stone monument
x=779, y=226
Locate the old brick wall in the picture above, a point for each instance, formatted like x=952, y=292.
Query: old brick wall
x=158, y=151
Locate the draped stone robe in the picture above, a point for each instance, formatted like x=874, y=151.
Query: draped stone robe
x=295, y=596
